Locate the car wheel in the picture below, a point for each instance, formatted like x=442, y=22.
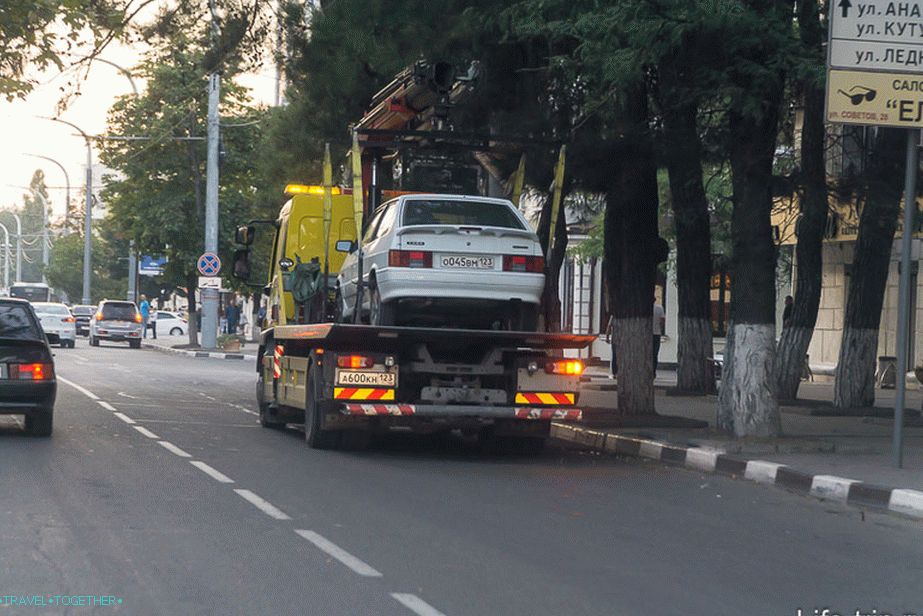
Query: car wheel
x=40, y=423
x=94, y=341
x=313, y=434
x=380, y=313
x=176, y=332
x=135, y=344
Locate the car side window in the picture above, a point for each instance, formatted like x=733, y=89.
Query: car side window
x=387, y=221
x=373, y=225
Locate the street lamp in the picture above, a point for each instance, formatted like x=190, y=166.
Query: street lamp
x=87, y=225
x=6, y=257
x=18, y=246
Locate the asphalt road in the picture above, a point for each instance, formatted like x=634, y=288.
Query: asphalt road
x=160, y=489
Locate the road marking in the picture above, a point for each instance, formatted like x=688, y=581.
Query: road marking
x=204, y=395
x=244, y=409
x=263, y=505
x=79, y=357
x=86, y=392
x=106, y=405
x=211, y=472
x=340, y=554
x=125, y=418
x=173, y=449
x=145, y=432
x=416, y=605
x=124, y=395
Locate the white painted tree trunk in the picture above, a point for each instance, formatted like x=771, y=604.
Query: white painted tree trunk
x=694, y=345
x=725, y=392
x=748, y=393
x=634, y=342
x=855, y=371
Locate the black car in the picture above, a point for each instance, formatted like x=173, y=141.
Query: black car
x=27, y=380
x=82, y=315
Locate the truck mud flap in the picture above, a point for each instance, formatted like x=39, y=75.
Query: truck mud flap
x=458, y=410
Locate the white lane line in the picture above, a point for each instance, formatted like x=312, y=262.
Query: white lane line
x=244, y=409
x=106, y=405
x=340, y=554
x=173, y=449
x=125, y=418
x=204, y=395
x=263, y=505
x=145, y=432
x=211, y=472
x=86, y=392
x=124, y=395
x=415, y=604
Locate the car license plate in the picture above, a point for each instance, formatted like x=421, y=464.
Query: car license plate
x=358, y=378
x=466, y=262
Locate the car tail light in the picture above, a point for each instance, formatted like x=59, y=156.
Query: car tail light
x=410, y=258
x=68, y=320
x=137, y=317
x=32, y=372
x=355, y=361
x=570, y=367
x=523, y=263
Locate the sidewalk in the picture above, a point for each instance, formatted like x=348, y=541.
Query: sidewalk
x=851, y=454
x=179, y=345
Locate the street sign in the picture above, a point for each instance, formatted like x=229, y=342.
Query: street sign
x=209, y=264
x=876, y=35
x=875, y=99
x=210, y=282
x=151, y=266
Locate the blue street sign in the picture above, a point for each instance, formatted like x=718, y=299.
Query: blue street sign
x=209, y=264
x=151, y=266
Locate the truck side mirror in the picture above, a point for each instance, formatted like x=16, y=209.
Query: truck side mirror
x=245, y=235
x=286, y=264
x=241, y=269
x=345, y=246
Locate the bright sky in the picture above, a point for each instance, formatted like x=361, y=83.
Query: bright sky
x=24, y=132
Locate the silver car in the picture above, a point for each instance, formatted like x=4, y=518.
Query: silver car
x=57, y=322
x=118, y=322
x=446, y=260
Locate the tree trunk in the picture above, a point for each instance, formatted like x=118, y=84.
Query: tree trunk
x=551, y=300
x=725, y=419
x=796, y=335
x=683, y=154
x=751, y=387
x=631, y=247
x=855, y=371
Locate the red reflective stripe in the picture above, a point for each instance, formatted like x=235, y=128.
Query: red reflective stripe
x=347, y=393
x=377, y=394
x=563, y=398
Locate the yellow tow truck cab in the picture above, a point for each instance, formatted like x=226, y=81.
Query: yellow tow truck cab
x=300, y=235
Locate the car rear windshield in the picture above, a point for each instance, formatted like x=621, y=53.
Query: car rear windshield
x=118, y=312
x=462, y=213
x=16, y=322
x=83, y=310
x=50, y=309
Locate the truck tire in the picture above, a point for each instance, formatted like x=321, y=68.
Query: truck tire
x=380, y=313
x=313, y=434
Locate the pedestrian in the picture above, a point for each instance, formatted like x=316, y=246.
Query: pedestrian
x=787, y=312
x=610, y=340
x=152, y=322
x=232, y=313
x=660, y=324
x=145, y=308
x=261, y=316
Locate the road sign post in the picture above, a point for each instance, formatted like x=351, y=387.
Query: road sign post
x=875, y=78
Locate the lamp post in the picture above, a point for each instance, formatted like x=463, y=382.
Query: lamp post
x=6, y=257
x=67, y=180
x=87, y=223
x=18, y=246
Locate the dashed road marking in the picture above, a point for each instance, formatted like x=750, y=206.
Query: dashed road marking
x=105, y=405
x=332, y=549
x=124, y=395
x=262, y=504
x=86, y=392
x=415, y=604
x=173, y=449
x=211, y=472
x=125, y=418
x=146, y=432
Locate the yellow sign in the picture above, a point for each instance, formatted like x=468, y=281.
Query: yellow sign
x=875, y=99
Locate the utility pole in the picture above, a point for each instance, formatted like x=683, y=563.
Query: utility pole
x=6, y=257
x=210, y=296
x=18, y=246
x=132, y=271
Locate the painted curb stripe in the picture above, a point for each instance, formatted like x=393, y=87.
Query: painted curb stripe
x=794, y=480
x=832, y=487
x=909, y=502
x=702, y=459
x=868, y=495
x=762, y=471
x=729, y=465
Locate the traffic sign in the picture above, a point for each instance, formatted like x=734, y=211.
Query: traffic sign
x=875, y=99
x=876, y=35
x=209, y=264
x=210, y=282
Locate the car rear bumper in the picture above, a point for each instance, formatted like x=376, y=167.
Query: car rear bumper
x=18, y=398
x=403, y=283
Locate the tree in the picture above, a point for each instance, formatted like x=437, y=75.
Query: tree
x=65, y=268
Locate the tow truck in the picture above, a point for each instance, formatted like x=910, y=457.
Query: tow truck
x=347, y=381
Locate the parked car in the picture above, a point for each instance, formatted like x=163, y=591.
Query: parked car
x=58, y=322
x=118, y=322
x=446, y=260
x=171, y=323
x=27, y=379
x=83, y=314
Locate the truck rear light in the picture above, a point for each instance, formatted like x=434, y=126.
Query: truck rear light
x=355, y=361
x=523, y=263
x=31, y=372
x=570, y=367
x=410, y=258
x=68, y=320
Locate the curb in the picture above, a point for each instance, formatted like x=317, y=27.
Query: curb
x=705, y=459
x=197, y=354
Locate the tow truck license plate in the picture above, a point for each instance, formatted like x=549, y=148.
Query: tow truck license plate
x=365, y=379
x=466, y=262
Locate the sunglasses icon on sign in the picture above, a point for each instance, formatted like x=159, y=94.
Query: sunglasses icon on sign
x=856, y=97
